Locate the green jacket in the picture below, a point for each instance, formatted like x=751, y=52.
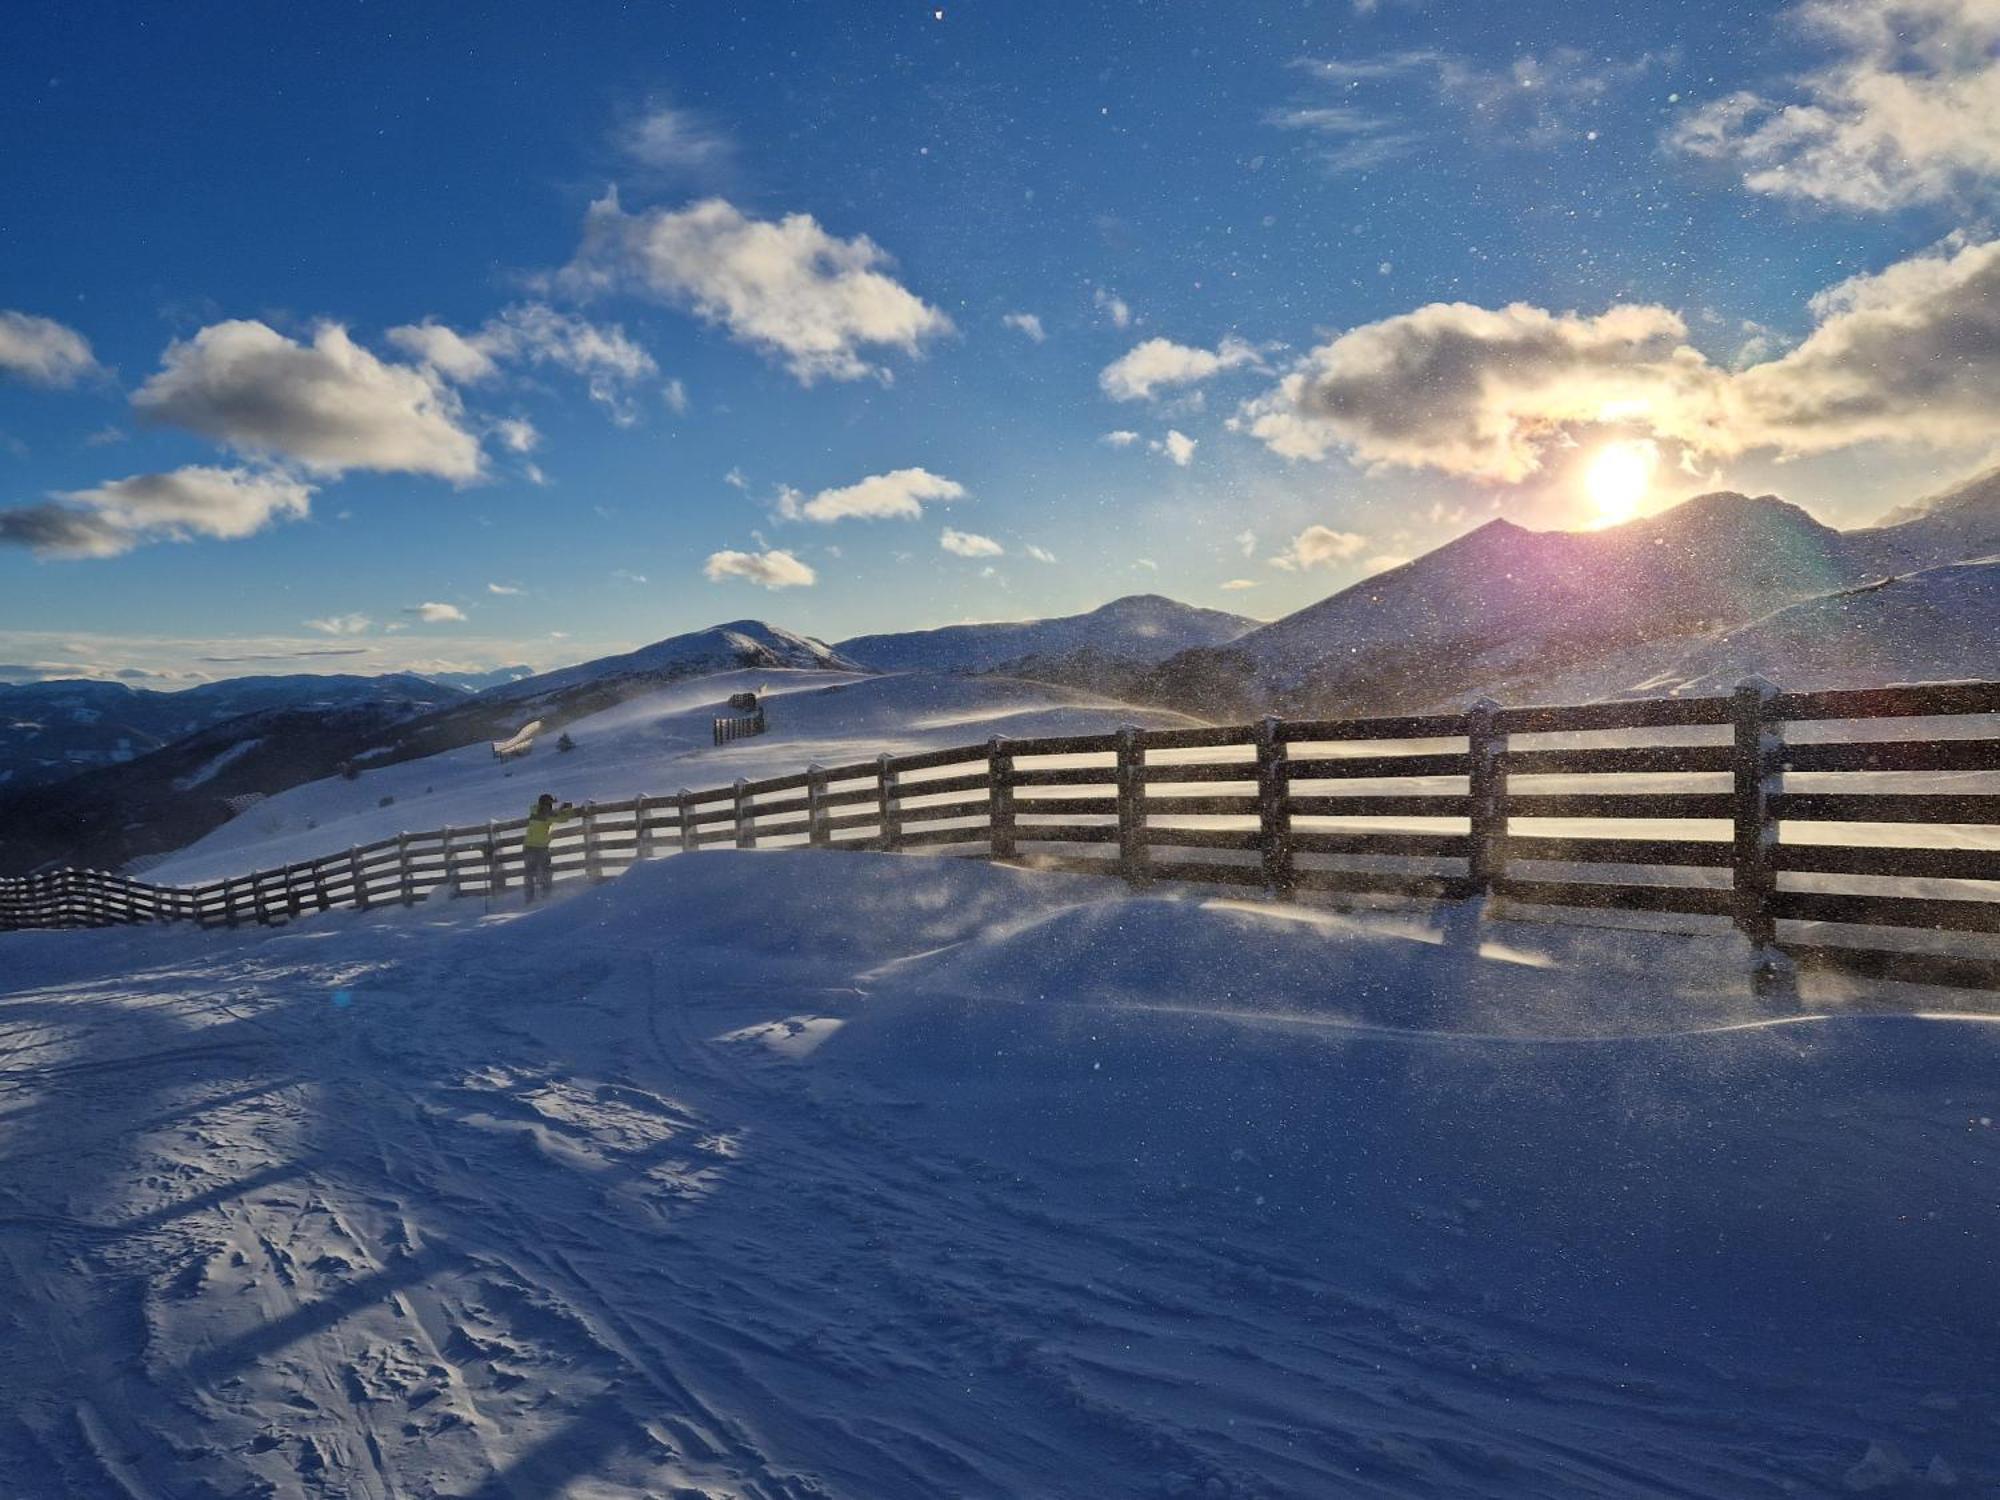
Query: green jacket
x=541, y=827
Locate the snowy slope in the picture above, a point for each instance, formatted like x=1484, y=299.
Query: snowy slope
x=876, y=1178
x=1960, y=525
x=655, y=742
x=1939, y=625
x=1141, y=628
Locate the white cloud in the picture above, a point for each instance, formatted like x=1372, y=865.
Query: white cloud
x=735, y=480
x=1145, y=368
x=1120, y=439
x=773, y=569
x=1239, y=583
x=450, y=353
x=504, y=590
x=1909, y=354
x=341, y=625
x=1177, y=445
x=432, y=613
x=785, y=287
x=1026, y=323
x=330, y=405
x=602, y=355
x=1039, y=554
x=1319, y=547
x=1246, y=542
x=117, y=516
x=42, y=351
x=901, y=494
x=666, y=139
x=626, y=575
x=517, y=434
x=1347, y=138
x=1907, y=109
x=1113, y=307
x=1383, y=563
x=969, y=544
x=675, y=394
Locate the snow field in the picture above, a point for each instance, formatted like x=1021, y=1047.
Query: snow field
x=845, y=1175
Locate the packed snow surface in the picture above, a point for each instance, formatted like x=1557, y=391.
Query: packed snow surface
x=793, y=1174
x=656, y=743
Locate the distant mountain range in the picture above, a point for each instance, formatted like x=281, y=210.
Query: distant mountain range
x=50, y=731
x=1138, y=630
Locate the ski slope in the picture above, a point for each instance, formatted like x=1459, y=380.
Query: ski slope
x=846, y=1175
x=655, y=743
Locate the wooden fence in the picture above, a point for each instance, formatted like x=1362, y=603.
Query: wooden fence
x=1820, y=824
x=730, y=730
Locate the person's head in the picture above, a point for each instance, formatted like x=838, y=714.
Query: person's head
x=546, y=801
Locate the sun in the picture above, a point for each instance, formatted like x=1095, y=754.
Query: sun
x=1618, y=478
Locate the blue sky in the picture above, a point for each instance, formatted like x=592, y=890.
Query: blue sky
x=317, y=316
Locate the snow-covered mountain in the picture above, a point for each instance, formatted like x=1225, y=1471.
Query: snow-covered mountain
x=52, y=730
x=720, y=648
x=1505, y=604
x=1139, y=629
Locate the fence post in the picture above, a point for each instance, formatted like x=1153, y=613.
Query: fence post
x=293, y=904
x=1758, y=767
x=892, y=833
x=642, y=836
x=685, y=800
x=1274, y=820
x=495, y=881
x=818, y=835
x=746, y=836
x=354, y=876
x=1486, y=855
x=1133, y=861
x=593, y=867
x=1000, y=798
x=405, y=883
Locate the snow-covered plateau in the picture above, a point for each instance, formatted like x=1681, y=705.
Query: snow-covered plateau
x=843, y=1174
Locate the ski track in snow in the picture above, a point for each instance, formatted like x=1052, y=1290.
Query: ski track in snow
x=795, y=1176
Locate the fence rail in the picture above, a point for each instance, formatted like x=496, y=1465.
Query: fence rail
x=1529, y=805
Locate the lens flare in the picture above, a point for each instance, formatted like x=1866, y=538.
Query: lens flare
x=1618, y=478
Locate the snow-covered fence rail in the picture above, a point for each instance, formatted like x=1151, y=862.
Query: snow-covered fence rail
x=1820, y=824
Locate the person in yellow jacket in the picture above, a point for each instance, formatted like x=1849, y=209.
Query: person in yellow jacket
x=539, y=868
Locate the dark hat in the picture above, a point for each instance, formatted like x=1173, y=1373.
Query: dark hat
x=549, y=797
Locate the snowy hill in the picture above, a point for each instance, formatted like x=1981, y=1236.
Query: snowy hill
x=856, y=1177
x=1939, y=625
x=1139, y=629
x=1960, y=525
x=52, y=730
x=1503, y=603
x=655, y=742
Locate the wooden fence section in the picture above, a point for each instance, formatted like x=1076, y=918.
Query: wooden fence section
x=1820, y=824
x=729, y=730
